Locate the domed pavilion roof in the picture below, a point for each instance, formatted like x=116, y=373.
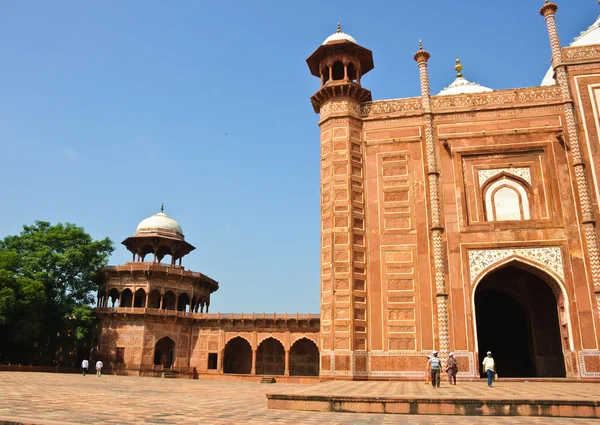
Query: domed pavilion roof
x=339, y=36
x=588, y=37
x=159, y=235
x=461, y=85
x=159, y=223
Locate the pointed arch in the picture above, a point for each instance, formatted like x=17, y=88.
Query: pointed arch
x=139, y=298
x=164, y=352
x=304, y=358
x=554, y=281
x=237, y=356
x=270, y=357
x=507, y=197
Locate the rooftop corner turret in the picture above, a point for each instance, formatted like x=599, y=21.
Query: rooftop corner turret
x=340, y=62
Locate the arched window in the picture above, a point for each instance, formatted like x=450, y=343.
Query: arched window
x=126, y=298
x=183, y=304
x=506, y=199
x=325, y=74
x=113, y=298
x=140, y=298
x=338, y=71
x=154, y=299
x=168, y=301
x=351, y=72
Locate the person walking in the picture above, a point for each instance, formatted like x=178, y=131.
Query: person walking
x=452, y=369
x=436, y=365
x=99, y=366
x=428, y=371
x=489, y=367
x=84, y=366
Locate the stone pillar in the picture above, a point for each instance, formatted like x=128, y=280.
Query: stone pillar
x=343, y=262
x=147, y=299
x=287, y=363
x=437, y=227
x=253, y=371
x=548, y=11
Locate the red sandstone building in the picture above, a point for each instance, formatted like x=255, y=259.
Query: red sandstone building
x=463, y=221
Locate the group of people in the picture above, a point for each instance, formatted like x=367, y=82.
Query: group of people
x=434, y=369
x=85, y=364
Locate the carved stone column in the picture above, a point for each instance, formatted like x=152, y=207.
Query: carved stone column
x=437, y=229
x=588, y=220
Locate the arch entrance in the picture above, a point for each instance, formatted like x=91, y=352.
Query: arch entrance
x=517, y=319
x=164, y=352
x=238, y=356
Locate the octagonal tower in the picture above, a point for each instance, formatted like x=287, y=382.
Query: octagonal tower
x=340, y=62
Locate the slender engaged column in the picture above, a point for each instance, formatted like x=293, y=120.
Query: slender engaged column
x=437, y=228
x=588, y=221
x=253, y=372
x=287, y=363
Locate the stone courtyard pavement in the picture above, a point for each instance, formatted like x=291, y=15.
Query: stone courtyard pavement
x=49, y=398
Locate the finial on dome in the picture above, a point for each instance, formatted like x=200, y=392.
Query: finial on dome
x=421, y=42
x=162, y=207
x=458, y=68
x=339, y=28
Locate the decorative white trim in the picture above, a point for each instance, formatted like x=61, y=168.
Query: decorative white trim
x=522, y=172
x=480, y=259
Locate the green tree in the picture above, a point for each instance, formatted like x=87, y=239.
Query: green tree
x=47, y=284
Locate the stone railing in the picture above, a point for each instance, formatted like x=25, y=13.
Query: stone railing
x=208, y=316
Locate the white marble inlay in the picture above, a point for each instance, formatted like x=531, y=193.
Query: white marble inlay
x=522, y=172
x=480, y=259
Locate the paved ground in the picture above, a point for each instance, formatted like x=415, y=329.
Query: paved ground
x=47, y=398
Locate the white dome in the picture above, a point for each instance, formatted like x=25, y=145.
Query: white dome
x=340, y=36
x=159, y=222
x=588, y=37
x=463, y=86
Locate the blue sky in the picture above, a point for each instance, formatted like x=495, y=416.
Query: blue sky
x=108, y=109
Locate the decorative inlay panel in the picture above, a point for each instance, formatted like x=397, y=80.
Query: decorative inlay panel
x=485, y=175
x=480, y=259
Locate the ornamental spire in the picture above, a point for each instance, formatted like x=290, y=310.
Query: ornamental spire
x=339, y=28
x=162, y=207
x=459, y=67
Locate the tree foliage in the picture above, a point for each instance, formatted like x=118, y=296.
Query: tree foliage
x=47, y=284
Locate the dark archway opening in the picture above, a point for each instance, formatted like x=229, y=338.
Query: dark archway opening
x=183, y=303
x=270, y=358
x=168, y=302
x=113, y=298
x=238, y=356
x=139, y=300
x=517, y=320
x=304, y=358
x=337, y=71
x=164, y=352
x=154, y=299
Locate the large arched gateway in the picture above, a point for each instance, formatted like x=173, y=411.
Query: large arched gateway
x=517, y=318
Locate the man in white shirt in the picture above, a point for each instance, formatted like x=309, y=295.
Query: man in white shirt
x=99, y=366
x=436, y=365
x=84, y=366
x=489, y=367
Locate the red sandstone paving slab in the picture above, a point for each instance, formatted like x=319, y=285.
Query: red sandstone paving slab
x=51, y=399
